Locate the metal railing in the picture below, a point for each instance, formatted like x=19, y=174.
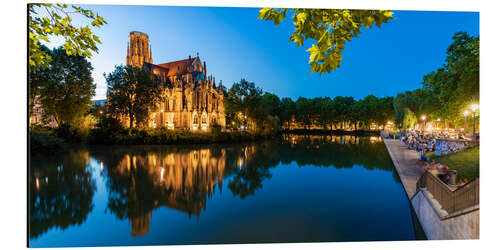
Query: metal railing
x=451, y=200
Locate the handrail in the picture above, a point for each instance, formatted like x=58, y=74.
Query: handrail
x=451, y=200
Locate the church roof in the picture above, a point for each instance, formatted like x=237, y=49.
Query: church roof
x=175, y=67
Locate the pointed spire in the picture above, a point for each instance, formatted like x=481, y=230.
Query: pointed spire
x=128, y=53
x=204, y=70
x=150, y=54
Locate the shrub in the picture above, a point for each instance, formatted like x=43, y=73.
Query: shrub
x=70, y=134
x=46, y=143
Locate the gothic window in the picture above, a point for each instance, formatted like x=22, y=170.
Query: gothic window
x=195, y=119
x=204, y=119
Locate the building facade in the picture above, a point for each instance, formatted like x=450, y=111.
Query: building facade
x=193, y=102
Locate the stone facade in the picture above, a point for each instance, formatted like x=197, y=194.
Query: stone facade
x=447, y=146
x=39, y=117
x=193, y=102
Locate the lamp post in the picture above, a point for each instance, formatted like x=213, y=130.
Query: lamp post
x=438, y=125
x=474, y=107
x=423, y=119
x=466, y=113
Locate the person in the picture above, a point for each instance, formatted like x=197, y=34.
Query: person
x=434, y=170
x=463, y=182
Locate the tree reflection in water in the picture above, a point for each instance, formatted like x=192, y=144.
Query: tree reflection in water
x=61, y=191
x=144, y=178
x=140, y=179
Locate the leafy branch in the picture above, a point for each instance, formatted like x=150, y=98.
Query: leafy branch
x=46, y=20
x=330, y=28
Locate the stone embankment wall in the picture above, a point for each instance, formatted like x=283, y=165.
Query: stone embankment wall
x=438, y=225
x=447, y=146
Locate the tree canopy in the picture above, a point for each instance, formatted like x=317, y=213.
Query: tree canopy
x=133, y=92
x=64, y=88
x=446, y=92
x=245, y=104
x=46, y=20
x=329, y=28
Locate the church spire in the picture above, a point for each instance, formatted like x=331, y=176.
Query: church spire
x=128, y=53
x=204, y=70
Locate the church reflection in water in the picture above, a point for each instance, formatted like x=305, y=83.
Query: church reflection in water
x=140, y=179
x=183, y=181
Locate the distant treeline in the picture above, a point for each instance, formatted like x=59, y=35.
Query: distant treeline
x=249, y=107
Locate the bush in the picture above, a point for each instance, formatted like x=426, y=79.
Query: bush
x=43, y=142
x=155, y=136
x=70, y=134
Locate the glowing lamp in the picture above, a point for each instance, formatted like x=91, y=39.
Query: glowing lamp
x=474, y=107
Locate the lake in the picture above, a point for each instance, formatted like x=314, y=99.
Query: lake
x=299, y=189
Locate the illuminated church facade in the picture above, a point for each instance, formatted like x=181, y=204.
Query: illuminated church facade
x=193, y=102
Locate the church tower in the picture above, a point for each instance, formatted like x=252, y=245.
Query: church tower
x=138, y=49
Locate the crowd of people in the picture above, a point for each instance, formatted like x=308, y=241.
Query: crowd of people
x=425, y=143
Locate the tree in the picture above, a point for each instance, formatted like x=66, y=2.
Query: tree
x=304, y=107
x=329, y=28
x=342, y=107
x=385, y=110
x=46, y=20
x=287, y=110
x=60, y=196
x=456, y=84
x=37, y=78
x=65, y=87
x=245, y=98
x=133, y=92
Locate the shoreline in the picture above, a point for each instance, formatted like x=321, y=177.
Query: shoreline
x=463, y=225
x=47, y=141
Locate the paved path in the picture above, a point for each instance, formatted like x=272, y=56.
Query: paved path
x=407, y=164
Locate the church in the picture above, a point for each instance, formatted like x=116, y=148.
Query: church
x=193, y=102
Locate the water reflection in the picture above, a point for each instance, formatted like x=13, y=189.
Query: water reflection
x=140, y=179
x=61, y=191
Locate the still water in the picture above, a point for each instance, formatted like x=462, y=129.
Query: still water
x=301, y=189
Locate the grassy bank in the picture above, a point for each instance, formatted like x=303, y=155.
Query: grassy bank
x=465, y=162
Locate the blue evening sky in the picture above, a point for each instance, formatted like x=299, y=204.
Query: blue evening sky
x=235, y=44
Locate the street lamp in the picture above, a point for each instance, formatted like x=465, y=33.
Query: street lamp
x=466, y=113
x=474, y=107
x=423, y=117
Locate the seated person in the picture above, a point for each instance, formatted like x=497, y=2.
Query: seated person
x=463, y=182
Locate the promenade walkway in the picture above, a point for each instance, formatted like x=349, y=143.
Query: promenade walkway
x=407, y=164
